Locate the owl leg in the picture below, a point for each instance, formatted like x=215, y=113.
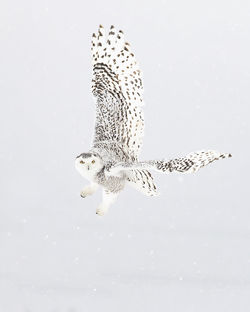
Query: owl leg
x=108, y=198
x=89, y=190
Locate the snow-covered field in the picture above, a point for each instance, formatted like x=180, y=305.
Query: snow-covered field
x=187, y=250
x=153, y=257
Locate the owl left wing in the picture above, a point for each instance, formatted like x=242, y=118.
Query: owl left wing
x=188, y=164
x=117, y=88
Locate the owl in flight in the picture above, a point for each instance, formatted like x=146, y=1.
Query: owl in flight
x=113, y=162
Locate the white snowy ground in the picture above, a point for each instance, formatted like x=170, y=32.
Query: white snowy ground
x=182, y=252
x=185, y=251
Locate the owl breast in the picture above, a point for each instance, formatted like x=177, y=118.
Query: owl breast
x=112, y=183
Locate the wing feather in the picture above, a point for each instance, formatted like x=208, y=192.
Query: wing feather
x=118, y=89
x=191, y=163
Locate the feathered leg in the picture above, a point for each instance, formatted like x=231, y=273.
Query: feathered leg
x=108, y=198
x=89, y=190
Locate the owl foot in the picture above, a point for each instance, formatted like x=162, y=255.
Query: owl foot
x=108, y=199
x=88, y=190
x=84, y=193
x=101, y=210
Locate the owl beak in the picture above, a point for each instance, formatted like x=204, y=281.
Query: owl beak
x=88, y=167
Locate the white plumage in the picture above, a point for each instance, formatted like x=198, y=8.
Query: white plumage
x=119, y=128
x=117, y=88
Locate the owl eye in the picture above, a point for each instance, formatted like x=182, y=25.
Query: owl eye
x=93, y=161
x=82, y=162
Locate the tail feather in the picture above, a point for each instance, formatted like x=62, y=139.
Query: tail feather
x=142, y=181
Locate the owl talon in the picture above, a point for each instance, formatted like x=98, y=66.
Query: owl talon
x=88, y=190
x=84, y=194
x=101, y=211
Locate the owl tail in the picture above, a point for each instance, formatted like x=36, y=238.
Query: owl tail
x=142, y=181
x=191, y=163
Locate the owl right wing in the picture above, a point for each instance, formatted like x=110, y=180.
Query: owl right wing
x=117, y=88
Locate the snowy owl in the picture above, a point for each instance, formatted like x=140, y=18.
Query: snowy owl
x=112, y=162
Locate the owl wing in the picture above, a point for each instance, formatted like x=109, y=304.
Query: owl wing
x=188, y=164
x=117, y=89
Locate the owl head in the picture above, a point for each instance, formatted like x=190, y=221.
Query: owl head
x=88, y=164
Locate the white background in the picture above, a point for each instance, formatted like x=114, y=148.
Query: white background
x=187, y=250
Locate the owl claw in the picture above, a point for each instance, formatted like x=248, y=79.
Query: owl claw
x=88, y=190
x=101, y=211
x=83, y=194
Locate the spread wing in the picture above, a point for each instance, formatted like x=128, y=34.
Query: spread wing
x=117, y=88
x=190, y=163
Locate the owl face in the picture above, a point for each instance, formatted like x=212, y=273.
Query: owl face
x=88, y=164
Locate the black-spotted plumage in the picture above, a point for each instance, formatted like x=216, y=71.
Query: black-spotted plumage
x=190, y=163
x=117, y=88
